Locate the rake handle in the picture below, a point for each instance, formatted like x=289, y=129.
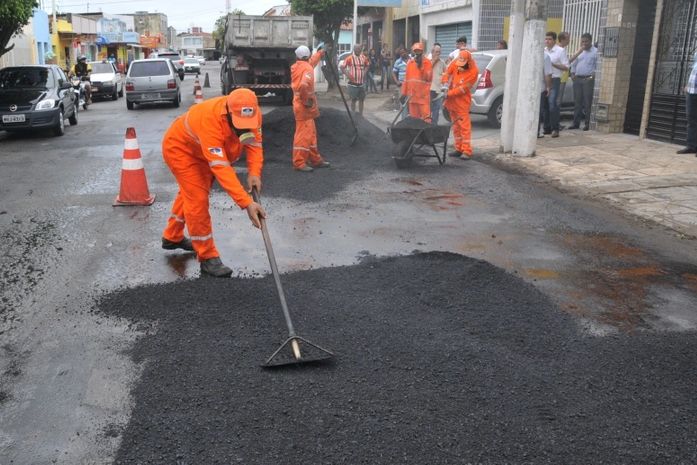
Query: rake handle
x=274, y=267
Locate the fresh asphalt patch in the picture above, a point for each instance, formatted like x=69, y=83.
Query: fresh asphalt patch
x=440, y=359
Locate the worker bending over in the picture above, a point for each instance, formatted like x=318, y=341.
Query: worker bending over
x=458, y=79
x=417, y=84
x=200, y=146
x=305, y=110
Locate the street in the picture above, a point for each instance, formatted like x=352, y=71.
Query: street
x=478, y=316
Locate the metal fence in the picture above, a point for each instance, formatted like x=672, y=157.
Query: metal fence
x=579, y=17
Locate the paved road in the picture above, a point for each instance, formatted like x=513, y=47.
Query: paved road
x=66, y=373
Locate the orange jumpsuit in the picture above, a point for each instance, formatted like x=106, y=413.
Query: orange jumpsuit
x=417, y=85
x=458, y=101
x=198, y=147
x=303, y=85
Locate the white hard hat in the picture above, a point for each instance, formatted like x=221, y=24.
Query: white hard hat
x=302, y=52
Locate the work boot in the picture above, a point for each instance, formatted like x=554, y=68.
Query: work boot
x=455, y=154
x=184, y=244
x=555, y=133
x=214, y=267
x=305, y=169
x=322, y=164
x=465, y=156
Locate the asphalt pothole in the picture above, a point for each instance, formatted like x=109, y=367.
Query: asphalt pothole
x=440, y=359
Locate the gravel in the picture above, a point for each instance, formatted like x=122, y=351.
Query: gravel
x=441, y=359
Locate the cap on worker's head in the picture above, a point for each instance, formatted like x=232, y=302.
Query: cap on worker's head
x=464, y=57
x=417, y=46
x=302, y=52
x=244, y=109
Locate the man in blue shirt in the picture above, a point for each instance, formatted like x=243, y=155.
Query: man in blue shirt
x=583, y=66
x=399, y=72
x=691, y=110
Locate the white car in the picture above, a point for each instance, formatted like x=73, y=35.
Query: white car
x=191, y=65
x=201, y=60
x=105, y=80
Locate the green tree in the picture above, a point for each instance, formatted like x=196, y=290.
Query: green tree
x=14, y=14
x=219, y=31
x=327, y=16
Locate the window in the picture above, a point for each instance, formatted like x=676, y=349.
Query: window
x=102, y=68
x=30, y=77
x=149, y=68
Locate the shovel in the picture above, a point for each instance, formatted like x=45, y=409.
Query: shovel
x=336, y=80
x=295, y=349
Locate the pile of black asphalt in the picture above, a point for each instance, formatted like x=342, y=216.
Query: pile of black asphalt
x=440, y=359
x=371, y=152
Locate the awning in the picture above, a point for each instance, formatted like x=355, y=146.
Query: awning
x=135, y=46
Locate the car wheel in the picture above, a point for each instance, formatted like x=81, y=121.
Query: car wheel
x=177, y=99
x=73, y=117
x=496, y=112
x=115, y=95
x=59, y=129
x=129, y=104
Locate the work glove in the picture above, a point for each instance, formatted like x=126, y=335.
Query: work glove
x=252, y=182
x=255, y=213
x=309, y=103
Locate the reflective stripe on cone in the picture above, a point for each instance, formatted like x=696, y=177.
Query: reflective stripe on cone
x=134, y=185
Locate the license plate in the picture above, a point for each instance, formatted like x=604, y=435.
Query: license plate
x=151, y=96
x=13, y=118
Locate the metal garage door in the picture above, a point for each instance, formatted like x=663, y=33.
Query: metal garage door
x=448, y=34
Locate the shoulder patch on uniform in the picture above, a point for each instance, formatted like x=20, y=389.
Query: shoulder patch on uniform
x=217, y=151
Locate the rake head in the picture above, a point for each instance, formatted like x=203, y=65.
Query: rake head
x=296, y=350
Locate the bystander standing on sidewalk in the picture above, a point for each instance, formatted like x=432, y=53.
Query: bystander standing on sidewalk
x=502, y=45
x=563, y=42
x=355, y=67
x=438, y=66
x=691, y=110
x=546, y=87
x=583, y=66
x=385, y=67
x=373, y=62
x=399, y=72
x=560, y=63
x=460, y=44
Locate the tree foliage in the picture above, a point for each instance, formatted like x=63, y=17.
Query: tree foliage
x=14, y=14
x=219, y=31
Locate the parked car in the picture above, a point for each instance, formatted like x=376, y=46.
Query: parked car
x=177, y=60
x=191, y=65
x=487, y=99
x=201, y=60
x=105, y=80
x=153, y=80
x=39, y=96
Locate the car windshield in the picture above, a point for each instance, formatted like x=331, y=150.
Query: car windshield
x=191, y=60
x=39, y=78
x=149, y=68
x=482, y=61
x=102, y=68
x=171, y=56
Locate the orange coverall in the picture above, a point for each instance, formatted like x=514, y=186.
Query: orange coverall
x=198, y=147
x=303, y=85
x=458, y=101
x=417, y=86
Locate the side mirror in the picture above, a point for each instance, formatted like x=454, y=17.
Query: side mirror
x=180, y=72
x=63, y=85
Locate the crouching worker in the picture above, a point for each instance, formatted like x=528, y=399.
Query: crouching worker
x=458, y=79
x=201, y=146
x=417, y=84
x=305, y=109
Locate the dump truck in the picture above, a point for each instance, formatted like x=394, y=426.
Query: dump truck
x=259, y=50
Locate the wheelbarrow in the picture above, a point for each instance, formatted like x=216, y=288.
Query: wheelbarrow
x=415, y=137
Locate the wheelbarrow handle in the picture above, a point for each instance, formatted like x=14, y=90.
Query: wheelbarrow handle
x=401, y=109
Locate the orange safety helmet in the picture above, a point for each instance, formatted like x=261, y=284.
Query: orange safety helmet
x=463, y=57
x=417, y=46
x=244, y=109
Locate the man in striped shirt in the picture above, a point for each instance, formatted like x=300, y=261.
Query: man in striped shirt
x=355, y=67
x=691, y=110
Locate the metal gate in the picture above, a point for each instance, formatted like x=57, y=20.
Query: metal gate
x=579, y=17
x=448, y=34
x=676, y=46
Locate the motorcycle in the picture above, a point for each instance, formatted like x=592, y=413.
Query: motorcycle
x=79, y=90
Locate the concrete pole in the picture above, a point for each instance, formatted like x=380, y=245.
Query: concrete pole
x=510, y=89
x=355, y=23
x=652, y=67
x=530, y=83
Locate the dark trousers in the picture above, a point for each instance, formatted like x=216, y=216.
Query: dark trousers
x=544, y=111
x=691, y=108
x=552, y=115
x=583, y=99
x=385, y=78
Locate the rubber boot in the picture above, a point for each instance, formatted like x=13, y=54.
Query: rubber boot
x=322, y=164
x=184, y=244
x=214, y=267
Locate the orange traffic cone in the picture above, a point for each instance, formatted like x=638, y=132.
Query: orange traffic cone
x=197, y=84
x=134, y=185
x=199, y=95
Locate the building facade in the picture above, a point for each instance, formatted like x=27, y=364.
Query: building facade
x=32, y=45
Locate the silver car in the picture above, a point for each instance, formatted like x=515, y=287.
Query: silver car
x=488, y=98
x=153, y=80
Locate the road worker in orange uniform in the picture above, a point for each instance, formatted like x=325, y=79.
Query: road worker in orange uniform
x=200, y=146
x=305, y=108
x=459, y=77
x=417, y=84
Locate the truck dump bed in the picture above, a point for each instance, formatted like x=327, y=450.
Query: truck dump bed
x=268, y=31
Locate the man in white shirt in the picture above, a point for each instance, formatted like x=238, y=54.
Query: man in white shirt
x=560, y=63
x=546, y=87
x=460, y=44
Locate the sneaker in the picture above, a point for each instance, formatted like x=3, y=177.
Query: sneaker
x=586, y=128
x=184, y=244
x=575, y=126
x=465, y=156
x=304, y=169
x=687, y=150
x=540, y=135
x=214, y=267
x=555, y=133
x=322, y=164
x=455, y=154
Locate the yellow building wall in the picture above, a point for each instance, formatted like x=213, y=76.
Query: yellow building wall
x=553, y=24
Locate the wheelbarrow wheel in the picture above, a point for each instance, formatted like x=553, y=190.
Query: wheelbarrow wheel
x=401, y=154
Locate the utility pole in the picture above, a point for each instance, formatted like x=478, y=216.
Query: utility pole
x=530, y=81
x=355, y=23
x=510, y=89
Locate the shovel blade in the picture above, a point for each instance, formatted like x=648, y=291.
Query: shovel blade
x=296, y=350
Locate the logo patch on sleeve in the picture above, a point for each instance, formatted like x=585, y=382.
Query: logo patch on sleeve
x=217, y=151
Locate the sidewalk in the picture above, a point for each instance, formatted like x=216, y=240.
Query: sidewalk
x=644, y=178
